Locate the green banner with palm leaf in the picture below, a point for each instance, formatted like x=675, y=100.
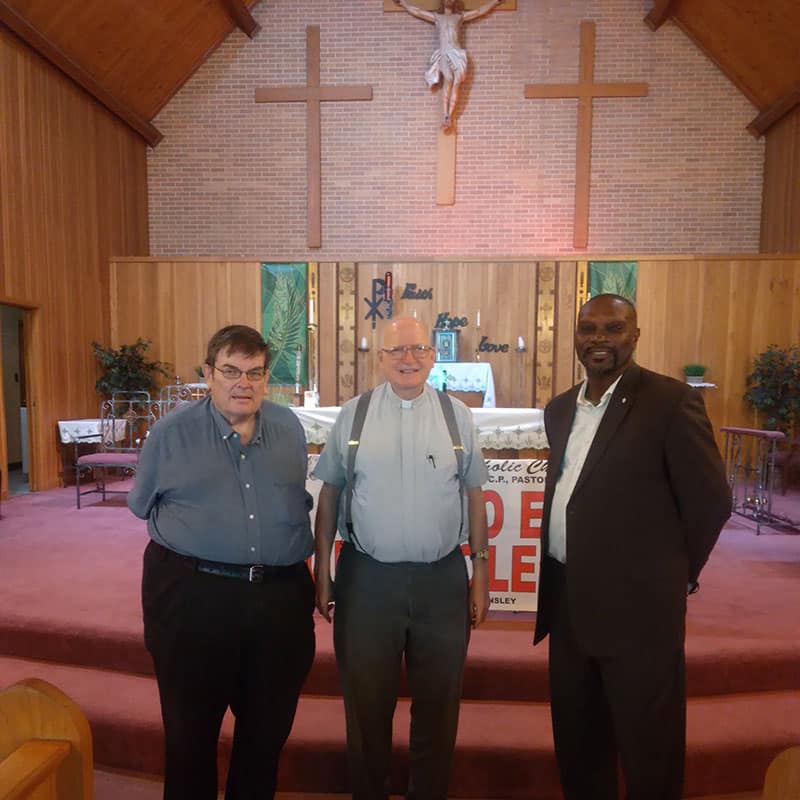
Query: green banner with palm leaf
x=284, y=321
x=613, y=277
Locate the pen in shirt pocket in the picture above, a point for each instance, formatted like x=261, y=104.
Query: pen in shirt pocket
x=432, y=460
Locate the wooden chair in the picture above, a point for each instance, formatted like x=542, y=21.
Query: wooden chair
x=45, y=744
x=782, y=781
x=125, y=421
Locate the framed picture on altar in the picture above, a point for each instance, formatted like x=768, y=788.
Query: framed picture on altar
x=446, y=345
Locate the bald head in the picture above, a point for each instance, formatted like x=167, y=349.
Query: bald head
x=406, y=356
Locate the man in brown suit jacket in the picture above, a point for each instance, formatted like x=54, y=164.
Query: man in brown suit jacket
x=635, y=499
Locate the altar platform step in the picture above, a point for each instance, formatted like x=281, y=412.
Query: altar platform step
x=504, y=750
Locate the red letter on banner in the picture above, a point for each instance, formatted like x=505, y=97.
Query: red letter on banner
x=530, y=515
x=495, y=584
x=520, y=567
x=494, y=500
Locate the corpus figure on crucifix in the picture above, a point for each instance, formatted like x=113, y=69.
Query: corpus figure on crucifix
x=448, y=63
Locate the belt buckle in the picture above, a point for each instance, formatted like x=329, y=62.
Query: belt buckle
x=256, y=574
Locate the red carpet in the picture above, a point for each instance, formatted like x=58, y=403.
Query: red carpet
x=69, y=613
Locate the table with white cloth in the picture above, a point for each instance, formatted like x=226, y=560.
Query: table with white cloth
x=465, y=376
x=81, y=436
x=498, y=428
x=514, y=494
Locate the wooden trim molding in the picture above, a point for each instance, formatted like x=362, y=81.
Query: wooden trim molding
x=242, y=17
x=19, y=26
x=776, y=112
x=659, y=14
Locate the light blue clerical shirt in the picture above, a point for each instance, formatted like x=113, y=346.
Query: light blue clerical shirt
x=584, y=427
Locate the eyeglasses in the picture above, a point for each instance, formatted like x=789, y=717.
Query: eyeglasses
x=234, y=373
x=419, y=351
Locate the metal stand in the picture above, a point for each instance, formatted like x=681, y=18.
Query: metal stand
x=750, y=467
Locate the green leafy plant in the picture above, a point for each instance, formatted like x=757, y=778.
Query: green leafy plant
x=127, y=369
x=773, y=387
x=694, y=370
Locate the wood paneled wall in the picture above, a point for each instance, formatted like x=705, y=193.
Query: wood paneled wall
x=180, y=304
x=73, y=193
x=780, y=208
x=718, y=311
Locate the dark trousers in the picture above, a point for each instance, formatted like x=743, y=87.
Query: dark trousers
x=630, y=706
x=385, y=612
x=218, y=642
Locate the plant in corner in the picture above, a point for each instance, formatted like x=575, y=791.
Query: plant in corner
x=773, y=387
x=127, y=369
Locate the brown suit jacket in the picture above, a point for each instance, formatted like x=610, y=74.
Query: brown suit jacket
x=645, y=513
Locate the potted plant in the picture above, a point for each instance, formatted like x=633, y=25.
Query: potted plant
x=773, y=387
x=127, y=369
x=694, y=373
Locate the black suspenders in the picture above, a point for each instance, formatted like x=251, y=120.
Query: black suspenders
x=355, y=440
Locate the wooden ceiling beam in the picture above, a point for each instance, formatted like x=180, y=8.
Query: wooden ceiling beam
x=242, y=17
x=776, y=112
x=659, y=14
x=20, y=27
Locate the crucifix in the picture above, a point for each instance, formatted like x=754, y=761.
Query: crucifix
x=312, y=94
x=584, y=91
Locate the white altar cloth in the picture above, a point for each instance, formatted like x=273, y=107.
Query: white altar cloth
x=87, y=430
x=465, y=376
x=498, y=428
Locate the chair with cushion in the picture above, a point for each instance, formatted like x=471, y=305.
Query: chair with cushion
x=125, y=421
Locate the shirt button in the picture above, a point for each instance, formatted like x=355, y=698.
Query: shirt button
x=247, y=486
x=252, y=516
x=243, y=456
x=252, y=549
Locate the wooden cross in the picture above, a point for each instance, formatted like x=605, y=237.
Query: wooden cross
x=585, y=91
x=312, y=94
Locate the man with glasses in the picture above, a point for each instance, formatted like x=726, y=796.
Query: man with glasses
x=410, y=497
x=228, y=599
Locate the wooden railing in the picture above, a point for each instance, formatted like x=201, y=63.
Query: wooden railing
x=45, y=745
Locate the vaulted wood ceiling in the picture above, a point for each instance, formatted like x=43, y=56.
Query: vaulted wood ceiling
x=134, y=55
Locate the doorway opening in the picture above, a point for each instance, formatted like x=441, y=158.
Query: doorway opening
x=15, y=399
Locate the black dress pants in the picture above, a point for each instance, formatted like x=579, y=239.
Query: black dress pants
x=384, y=613
x=629, y=706
x=220, y=642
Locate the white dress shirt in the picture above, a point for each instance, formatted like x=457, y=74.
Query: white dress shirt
x=584, y=427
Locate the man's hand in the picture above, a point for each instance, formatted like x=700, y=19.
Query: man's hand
x=325, y=602
x=479, y=592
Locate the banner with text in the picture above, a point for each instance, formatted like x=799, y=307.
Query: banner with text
x=514, y=500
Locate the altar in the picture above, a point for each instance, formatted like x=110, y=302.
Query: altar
x=465, y=376
x=498, y=428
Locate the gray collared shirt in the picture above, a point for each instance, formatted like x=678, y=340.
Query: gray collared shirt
x=205, y=495
x=406, y=493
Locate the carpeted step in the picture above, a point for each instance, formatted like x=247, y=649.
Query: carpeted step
x=504, y=749
x=501, y=665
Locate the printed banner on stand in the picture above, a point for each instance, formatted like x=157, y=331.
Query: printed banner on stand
x=514, y=500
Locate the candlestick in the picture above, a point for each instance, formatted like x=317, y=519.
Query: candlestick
x=363, y=347
x=298, y=366
x=521, y=345
x=311, y=316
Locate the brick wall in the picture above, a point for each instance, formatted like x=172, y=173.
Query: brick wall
x=673, y=172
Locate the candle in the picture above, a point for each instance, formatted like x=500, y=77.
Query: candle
x=520, y=343
x=364, y=343
x=298, y=363
x=478, y=319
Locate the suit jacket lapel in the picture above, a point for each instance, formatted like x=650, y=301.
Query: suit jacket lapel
x=619, y=405
x=559, y=434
